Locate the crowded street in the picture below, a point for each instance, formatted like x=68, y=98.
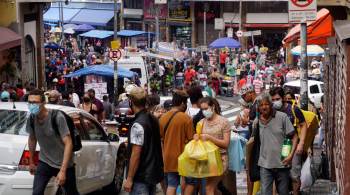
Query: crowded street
x=174, y=97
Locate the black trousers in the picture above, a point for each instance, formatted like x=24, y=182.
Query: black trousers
x=45, y=172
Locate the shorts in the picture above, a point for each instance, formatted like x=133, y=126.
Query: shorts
x=295, y=171
x=173, y=179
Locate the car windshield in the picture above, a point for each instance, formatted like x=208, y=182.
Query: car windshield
x=293, y=89
x=13, y=122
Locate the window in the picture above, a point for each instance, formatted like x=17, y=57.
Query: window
x=13, y=122
x=137, y=70
x=79, y=126
x=94, y=132
x=314, y=89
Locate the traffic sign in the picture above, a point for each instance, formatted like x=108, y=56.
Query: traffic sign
x=115, y=44
x=301, y=11
x=115, y=55
x=239, y=33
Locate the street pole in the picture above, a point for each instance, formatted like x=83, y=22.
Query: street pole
x=61, y=20
x=157, y=36
x=240, y=26
x=205, y=24
x=115, y=62
x=303, y=68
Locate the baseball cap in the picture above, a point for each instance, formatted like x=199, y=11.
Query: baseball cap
x=5, y=96
x=137, y=93
x=245, y=89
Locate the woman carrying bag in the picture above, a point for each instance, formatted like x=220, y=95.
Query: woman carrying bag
x=216, y=129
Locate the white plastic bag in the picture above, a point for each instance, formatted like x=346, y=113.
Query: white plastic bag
x=306, y=177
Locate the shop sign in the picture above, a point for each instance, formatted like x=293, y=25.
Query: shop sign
x=230, y=32
x=219, y=24
x=150, y=10
x=100, y=89
x=179, y=10
x=160, y=1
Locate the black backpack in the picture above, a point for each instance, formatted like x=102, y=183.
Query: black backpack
x=74, y=134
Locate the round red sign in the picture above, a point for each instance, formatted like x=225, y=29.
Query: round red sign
x=302, y=3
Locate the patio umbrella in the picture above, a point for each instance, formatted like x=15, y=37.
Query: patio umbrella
x=73, y=26
x=69, y=31
x=225, y=42
x=312, y=50
x=84, y=27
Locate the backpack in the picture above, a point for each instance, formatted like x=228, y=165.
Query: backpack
x=312, y=126
x=74, y=134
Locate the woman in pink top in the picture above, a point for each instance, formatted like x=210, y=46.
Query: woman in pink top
x=215, y=128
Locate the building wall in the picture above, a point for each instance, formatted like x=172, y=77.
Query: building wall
x=7, y=13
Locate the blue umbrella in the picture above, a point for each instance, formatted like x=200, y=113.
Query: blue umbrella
x=84, y=27
x=102, y=70
x=52, y=45
x=225, y=42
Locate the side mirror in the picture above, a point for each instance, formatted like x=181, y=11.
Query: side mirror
x=112, y=137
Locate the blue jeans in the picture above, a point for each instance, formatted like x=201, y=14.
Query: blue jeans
x=279, y=176
x=143, y=189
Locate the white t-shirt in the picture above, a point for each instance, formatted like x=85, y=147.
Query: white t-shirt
x=192, y=111
x=75, y=100
x=202, y=79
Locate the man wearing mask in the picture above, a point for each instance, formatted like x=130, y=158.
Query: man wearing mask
x=56, y=151
x=98, y=103
x=282, y=103
x=273, y=128
x=176, y=130
x=145, y=167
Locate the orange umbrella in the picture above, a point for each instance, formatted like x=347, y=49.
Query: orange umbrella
x=317, y=31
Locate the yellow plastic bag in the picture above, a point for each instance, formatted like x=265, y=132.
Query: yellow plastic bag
x=200, y=165
x=256, y=187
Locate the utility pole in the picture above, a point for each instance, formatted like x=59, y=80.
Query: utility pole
x=304, y=67
x=115, y=62
x=157, y=36
x=205, y=23
x=240, y=26
x=60, y=5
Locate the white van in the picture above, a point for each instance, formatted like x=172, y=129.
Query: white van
x=315, y=90
x=136, y=64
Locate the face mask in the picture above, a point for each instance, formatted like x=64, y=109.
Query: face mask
x=208, y=113
x=34, y=108
x=278, y=104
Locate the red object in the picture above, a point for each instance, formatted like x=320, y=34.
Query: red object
x=317, y=31
x=24, y=162
x=241, y=83
x=223, y=57
x=216, y=84
x=19, y=93
x=189, y=74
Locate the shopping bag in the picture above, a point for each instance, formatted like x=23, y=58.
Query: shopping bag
x=196, y=150
x=211, y=167
x=306, y=177
x=253, y=153
x=206, y=162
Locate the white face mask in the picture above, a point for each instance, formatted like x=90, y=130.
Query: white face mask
x=278, y=104
x=208, y=113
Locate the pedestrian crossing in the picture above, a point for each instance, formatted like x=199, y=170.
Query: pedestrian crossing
x=231, y=113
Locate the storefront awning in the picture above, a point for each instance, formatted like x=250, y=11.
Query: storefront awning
x=100, y=34
x=52, y=15
x=93, y=17
x=8, y=39
x=132, y=33
x=317, y=31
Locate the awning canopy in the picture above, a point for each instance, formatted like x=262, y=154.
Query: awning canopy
x=317, y=31
x=132, y=33
x=100, y=34
x=52, y=15
x=8, y=39
x=93, y=17
x=102, y=70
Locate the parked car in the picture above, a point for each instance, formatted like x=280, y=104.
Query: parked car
x=315, y=90
x=99, y=164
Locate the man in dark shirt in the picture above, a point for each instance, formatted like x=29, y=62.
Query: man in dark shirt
x=107, y=107
x=98, y=103
x=145, y=167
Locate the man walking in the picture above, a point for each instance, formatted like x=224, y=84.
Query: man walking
x=176, y=130
x=272, y=128
x=98, y=103
x=145, y=168
x=56, y=148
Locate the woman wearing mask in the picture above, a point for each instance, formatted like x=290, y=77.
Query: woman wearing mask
x=215, y=128
x=88, y=106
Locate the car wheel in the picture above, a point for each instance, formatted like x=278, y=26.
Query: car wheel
x=116, y=186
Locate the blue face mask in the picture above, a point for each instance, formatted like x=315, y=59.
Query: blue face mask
x=34, y=108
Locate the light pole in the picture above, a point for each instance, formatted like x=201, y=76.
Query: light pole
x=303, y=67
x=115, y=62
x=157, y=36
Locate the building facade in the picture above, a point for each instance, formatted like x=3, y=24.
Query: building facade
x=22, y=61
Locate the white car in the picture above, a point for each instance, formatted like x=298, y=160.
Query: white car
x=99, y=164
x=315, y=90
